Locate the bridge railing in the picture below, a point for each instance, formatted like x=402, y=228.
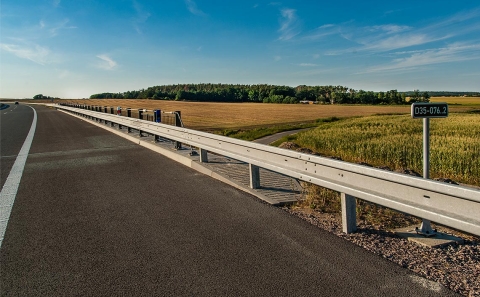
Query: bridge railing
x=454, y=206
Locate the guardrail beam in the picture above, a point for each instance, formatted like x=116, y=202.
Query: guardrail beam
x=450, y=205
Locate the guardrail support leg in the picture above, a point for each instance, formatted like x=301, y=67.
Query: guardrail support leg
x=140, y=117
x=203, y=156
x=254, y=176
x=178, y=123
x=349, y=213
x=129, y=114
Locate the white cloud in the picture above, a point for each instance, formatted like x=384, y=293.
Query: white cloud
x=452, y=53
x=307, y=65
x=399, y=41
x=56, y=3
x=289, y=24
x=59, y=26
x=107, y=63
x=141, y=17
x=34, y=53
x=277, y=58
x=390, y=28
x=192, y=7
x=322, y=31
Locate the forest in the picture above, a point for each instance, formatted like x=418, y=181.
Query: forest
x=268, y=94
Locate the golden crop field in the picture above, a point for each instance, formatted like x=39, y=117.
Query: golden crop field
x=457, y=100
x=391, y=140
x=396, y=141
x=208, y=116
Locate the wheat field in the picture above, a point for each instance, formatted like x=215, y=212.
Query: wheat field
x=207, y=116
x=396, y=141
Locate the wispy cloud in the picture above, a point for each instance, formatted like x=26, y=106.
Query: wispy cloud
x=34, y=53
x=453, y=53
x=56, y=3
x=141, y=16
x=106, y=62
x=390, y=28
x=289, y=24
x=192, y=7
x=399, y=41
x=57, y=27
x=307, y=65
x=322, y=31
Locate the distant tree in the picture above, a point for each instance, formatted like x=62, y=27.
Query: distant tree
x=425, y=97
x=415, y=97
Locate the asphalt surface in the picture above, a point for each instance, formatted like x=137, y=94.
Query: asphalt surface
x=271, y=138
x=97, y=215
x=15, y=122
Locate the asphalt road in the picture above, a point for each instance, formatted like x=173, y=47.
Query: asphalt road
x=271, y=138
x=97, y=215
x=15, y=122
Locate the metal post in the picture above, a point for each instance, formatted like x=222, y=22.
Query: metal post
x=157, y=116
x=129, y=114
x=349, y=213
x=178, y=123
x=140, y=117
x=426, y=228
x=254, y=176
x=203, y=156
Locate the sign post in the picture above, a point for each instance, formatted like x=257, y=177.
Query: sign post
x=426, y=111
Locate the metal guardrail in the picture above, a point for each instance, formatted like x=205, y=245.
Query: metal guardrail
x=450, y=205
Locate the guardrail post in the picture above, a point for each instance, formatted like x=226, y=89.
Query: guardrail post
x=111, y=112
x=129, y=114
x=254, y=176
x=157, y=116
x=203, y=156
x=349, y=213
x=178, y=123
x=140, y=117
x=105, y=110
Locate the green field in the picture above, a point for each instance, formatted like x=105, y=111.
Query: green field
x=396, y=141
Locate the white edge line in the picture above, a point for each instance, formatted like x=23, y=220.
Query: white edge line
x=10, y=188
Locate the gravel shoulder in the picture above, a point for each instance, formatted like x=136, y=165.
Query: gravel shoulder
x=456, y=267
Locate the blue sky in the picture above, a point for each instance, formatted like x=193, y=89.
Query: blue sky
x=72, y=49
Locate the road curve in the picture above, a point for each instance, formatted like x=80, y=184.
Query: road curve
x=272, y=138
x=97, y=215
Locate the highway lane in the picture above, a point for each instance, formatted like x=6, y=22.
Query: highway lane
x=97, y=215
x=15, y=122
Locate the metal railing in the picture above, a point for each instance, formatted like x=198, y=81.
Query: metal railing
x=454, y=206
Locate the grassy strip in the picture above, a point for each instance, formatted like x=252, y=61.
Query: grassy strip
x=256, y=133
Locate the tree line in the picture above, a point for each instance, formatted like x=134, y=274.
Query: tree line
x=266, y=94
x=41, y=96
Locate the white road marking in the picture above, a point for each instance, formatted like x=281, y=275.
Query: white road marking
x=10, y=188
